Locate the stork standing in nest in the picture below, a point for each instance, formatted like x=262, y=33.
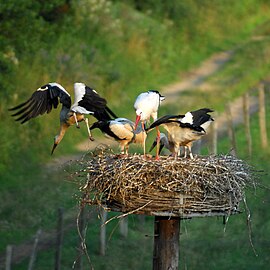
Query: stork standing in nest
x=123, y=131
x=86, y=101
x=146, y=106
x=183, y=130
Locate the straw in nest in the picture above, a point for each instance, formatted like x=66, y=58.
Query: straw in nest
x=204, y=186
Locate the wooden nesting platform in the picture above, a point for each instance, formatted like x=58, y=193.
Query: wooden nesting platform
x=185, y=188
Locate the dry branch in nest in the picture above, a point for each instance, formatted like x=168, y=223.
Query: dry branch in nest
x=204, y=186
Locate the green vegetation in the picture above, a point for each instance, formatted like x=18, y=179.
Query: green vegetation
x=122, y=48
x=205, y=242
x=117, y=48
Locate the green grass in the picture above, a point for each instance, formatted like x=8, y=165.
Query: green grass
x=125, y=52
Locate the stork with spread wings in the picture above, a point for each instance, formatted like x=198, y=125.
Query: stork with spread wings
x=47, y=97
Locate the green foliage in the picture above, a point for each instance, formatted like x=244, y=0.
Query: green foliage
x=109, y=46
x=120, y=48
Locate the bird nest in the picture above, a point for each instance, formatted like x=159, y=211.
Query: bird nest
x=204, y=186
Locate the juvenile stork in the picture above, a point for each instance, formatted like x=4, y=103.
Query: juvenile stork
x=183, y=130
x=122, y=130
x=146, y=106
x=48, y=96
x=164, y=143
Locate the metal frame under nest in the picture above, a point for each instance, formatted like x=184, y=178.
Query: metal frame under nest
x=204, y=186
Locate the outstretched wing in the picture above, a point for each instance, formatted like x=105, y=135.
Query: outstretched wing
x=201, y=116
x=42, y=100
x=88, y=101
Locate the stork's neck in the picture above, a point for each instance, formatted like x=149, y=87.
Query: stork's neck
x=64, y=114
x=63, y=129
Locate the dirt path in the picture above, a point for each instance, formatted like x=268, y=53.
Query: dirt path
x=196, y=77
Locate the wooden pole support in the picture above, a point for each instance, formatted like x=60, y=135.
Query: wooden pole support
x=166, y=243
x=8, y=257
x=59, y=239
x=34, y=251
x=262, y=117
x=102, y=233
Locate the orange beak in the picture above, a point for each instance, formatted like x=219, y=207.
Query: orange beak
x=138, y=118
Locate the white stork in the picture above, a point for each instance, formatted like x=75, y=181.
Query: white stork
x=146, y=106
x=86, y=101
x=122, y=130
x=183, y=130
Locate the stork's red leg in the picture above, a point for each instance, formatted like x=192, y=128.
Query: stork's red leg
x=144, y=139
x=158, y=143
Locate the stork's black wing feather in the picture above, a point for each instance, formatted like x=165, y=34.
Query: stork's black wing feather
x=110, y=112
x=93, y=102
x=42, y=101
x=165, y=119
x=191, y=126
x=201, y=116
x=104, y=126
x=105, y=114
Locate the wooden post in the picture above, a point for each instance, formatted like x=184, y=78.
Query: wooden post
x=34, y=251
x=231, y=130
x=103, y=218
x=263, y=130
x=8, y=257
x=59, y=239
x=82, y=238
x=123, y=224
x=166, y=243
x=214, y=135
x=247, y=122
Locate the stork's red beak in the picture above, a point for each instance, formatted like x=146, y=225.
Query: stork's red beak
x=138, y=118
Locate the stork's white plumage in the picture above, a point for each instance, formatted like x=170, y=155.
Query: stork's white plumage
x=122, y=130
x=183, y=130
x=87, y=101
x=146, y=106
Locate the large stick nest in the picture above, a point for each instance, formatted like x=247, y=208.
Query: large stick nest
x=209, y=185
